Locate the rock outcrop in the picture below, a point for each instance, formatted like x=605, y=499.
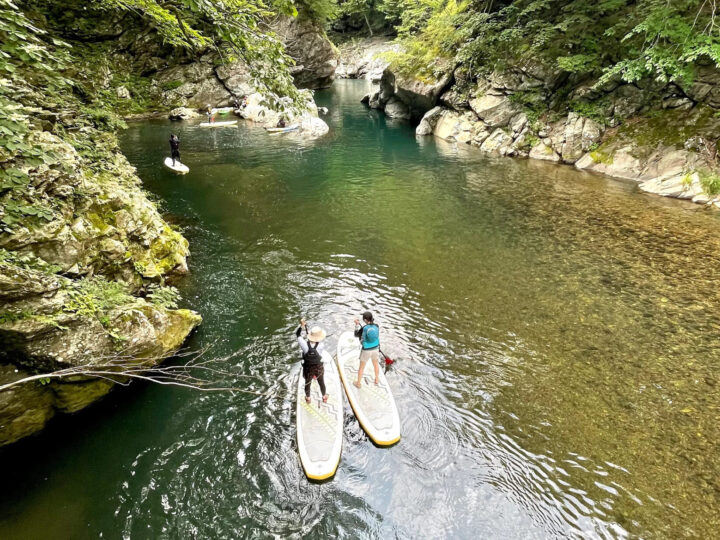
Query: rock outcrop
x=95, y=226
x=417, y=95
x=316, y=59
x=50, y=323
x=365, y=58
x=669, y=152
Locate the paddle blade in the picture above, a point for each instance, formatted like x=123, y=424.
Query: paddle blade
x=388, y=361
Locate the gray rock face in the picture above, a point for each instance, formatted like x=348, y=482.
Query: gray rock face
x=420, y=96
x=429, y=121
x=495, y=110
x=51, y=332
x=395, y=108
x=365, y=59
x=705, y=87
x=183, y=113
x=314, y=55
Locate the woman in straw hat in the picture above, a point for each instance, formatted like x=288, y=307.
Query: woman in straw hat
x=312, y=349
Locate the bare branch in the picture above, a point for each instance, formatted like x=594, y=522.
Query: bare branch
x=197, y=373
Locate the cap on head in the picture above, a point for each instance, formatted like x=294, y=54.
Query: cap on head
x=368, y=316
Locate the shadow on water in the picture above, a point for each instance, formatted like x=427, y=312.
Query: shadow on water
x=556, y=338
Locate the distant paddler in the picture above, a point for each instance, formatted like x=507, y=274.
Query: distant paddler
x=174, y=148
x=209, y=113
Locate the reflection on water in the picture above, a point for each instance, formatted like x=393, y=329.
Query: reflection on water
x=556, y=338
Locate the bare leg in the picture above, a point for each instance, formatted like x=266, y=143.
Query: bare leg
x=358, y=383
x=376, y=365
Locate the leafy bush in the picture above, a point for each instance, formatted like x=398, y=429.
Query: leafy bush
x=710, y=182
x=171, y=85
x=166, y=297
x=94, y=297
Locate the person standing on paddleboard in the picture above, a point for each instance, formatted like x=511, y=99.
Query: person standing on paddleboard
x=312, y=349
x=369, y=335
x=174, y=148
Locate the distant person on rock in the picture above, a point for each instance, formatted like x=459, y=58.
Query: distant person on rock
x=174, y=148
x=312, y=348
x=369, y=335
x=235, y=103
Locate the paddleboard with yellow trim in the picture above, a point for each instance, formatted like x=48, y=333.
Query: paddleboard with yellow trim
x=320, y=425
x=373, y=404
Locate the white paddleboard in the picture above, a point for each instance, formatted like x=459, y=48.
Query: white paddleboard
x=373, y=404
x=293, y=127
x=178, y=167
x=225, y=123
x=320, y=425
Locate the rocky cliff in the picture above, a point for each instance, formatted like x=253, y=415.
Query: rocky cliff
x=662, y=136
x=86, y=260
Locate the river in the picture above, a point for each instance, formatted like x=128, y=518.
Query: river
x=556, y=337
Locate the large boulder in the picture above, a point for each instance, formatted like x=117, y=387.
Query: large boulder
x=365, y=59
x=705, y=87
x=429, y=121
x=395, y=108
x=544, y=152
x=421, y=95
x=453, y=126
x=183, y=113
x=495, y=110
x=315, y=57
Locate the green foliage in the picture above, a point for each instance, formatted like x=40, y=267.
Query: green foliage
x=171, y=85
x=710, y=181
x=94, y=297
x=166, y=297
x=321, y=10
x=234, y=28
x=429, y=32
x=661, y=40
x=595, y=110
x=27, y=261
x=10, y=317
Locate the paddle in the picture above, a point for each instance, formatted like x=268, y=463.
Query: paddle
x=388, y=361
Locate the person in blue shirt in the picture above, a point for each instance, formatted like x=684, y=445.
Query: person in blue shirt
x=369, y=334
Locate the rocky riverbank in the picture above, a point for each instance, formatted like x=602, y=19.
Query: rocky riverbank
x=664, y=138
x=86, y=260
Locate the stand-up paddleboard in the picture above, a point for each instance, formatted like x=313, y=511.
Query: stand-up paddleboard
x=373, y=404
x=225, y=123
x=320, y=425
x=293, y=127
x=178, y=167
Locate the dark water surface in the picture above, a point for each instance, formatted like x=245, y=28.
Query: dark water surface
x=556, y=337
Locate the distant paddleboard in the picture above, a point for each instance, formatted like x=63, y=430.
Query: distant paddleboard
x=373, y=404
x=320, y=425
x=225, y=123
x=283, y=130
x=178, y=167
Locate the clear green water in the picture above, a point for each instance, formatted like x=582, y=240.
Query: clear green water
x=556, y=337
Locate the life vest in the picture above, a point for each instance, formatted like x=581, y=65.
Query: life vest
x=312, y=357
x=370, y=336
